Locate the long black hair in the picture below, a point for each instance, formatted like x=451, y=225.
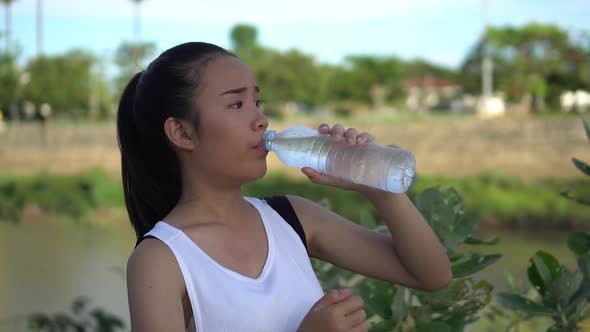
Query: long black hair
x=149, y=165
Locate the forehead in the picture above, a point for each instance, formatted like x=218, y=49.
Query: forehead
x=227, y=72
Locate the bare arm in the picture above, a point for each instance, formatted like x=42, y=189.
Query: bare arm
x=413, y=257
x=155, y=286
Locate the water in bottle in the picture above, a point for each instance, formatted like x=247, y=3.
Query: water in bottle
x=372, y=164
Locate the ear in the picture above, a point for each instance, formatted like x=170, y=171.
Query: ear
x=180, y=133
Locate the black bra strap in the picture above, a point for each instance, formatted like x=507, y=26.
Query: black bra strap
x=284, y=208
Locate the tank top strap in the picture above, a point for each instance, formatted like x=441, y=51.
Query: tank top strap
x=161, y=231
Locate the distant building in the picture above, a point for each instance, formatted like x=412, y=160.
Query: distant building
x=428, y=93
x=578, y=100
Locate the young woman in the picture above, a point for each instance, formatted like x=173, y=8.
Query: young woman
x=190, y=131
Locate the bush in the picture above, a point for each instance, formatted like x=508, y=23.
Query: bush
x=71, y=196
x=396, y=308
x=564, y=295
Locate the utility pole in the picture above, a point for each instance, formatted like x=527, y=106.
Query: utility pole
x=8, y=25
x=487, y=65
x=137, y=22
x=137, y=28
x=39, y=27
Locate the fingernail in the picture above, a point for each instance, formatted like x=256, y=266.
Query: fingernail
x=345, y=292
x=350, y=140
x=360, y=139
x=337, y=136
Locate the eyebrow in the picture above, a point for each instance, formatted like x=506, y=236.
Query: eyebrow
x=239, y=90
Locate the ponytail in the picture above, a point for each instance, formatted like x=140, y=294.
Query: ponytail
x=149, y=196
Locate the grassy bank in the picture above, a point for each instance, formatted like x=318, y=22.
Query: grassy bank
x=491, y=198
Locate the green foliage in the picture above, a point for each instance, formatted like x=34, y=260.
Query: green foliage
x=535, y=59
x=565, y=294
x=445, y=215
x=130, y=58
x=396, y=308
x=244, y=38
x=9, y=77
x=82, y=318
x=506, y=199
x=289, y=76
x=72, y=196
x=514, y=200
x=580, y=195
x=66, y=82
x=354, y=81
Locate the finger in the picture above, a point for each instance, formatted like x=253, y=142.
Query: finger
x=362, y=327
x=332, y=296
x=337, y=133
x=351, y=135
x=324, y=128
x=364, y=138
x=350, y=305
x=319, y=178
x=356, y=317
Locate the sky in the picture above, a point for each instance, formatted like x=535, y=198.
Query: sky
x=439, y=31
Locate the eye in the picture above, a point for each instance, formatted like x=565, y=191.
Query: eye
x=236, y=105
x=259, y=103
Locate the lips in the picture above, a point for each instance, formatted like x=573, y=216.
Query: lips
x=260, y=144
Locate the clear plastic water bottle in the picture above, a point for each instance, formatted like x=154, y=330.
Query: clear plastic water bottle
x=372, y=164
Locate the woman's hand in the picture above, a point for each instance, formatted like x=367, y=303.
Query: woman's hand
x=337, y=310
x=340, y=135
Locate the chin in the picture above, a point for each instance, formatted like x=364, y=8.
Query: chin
x=256, y=173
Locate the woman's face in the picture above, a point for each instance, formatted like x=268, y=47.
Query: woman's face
x=231, y=123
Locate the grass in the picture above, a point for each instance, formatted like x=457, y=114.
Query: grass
x=492, y=198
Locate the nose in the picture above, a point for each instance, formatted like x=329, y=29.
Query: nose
x=261, y=121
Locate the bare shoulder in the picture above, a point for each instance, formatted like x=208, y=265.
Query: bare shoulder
x=152, y=256
x=155, y=286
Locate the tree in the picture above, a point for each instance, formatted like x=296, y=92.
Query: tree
x=244, y=38
x=9, y=75
x=67, y=83
x=536, y=60
x=287, y=76
x=130, y=58
x=363, y=74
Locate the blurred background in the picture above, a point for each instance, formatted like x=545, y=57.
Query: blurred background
x=490, y=96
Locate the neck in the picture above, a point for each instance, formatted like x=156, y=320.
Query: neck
x=206, y=200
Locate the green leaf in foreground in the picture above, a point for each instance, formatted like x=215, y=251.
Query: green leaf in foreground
x=543, y=269
x=473, y=240
x=473, y=264
x=582, y=166
x=434, y=326
x=579, y=243
x=518, y=302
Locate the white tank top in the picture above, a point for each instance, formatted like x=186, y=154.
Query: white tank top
x=224, y=300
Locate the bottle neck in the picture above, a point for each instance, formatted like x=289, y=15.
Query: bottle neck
x=269, y=136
